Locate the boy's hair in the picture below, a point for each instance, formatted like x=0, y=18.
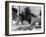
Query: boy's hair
x=14, y=9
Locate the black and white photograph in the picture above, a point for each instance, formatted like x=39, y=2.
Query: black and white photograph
x=25, y=18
